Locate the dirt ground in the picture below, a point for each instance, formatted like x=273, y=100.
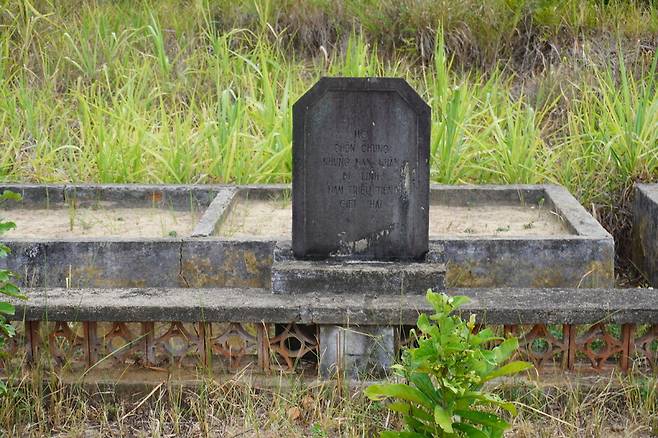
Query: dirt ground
x=101, y=222
x=265, y=218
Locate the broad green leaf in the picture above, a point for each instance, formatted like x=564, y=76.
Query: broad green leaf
x=496, y=433
x=460, y=300
x=483, y=418
x=11, y=291
x=424, y=323
x=400, y=407
x=6, y=226
x=484, y=336
x=9, y=195
x=443, y=419
x=421, y=414
x=505, y=349
x=470, y=431
x=7, y=308
x=415, y=425
x=491, y=399
x=507, y=369
x=8, y=329
x=397, y=390
x=423, y=382
x=438, y=301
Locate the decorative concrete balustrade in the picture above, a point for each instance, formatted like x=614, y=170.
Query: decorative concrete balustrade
x=230, y=330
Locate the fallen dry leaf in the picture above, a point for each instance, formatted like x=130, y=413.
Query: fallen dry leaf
x=294, y=413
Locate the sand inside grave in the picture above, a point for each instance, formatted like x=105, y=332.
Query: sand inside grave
x=61, y=223
x=264, y=218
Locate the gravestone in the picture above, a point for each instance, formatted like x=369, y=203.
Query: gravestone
x=361, y=171
x=360, y=202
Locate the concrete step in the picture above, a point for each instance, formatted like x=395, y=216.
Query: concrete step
x=343, y=276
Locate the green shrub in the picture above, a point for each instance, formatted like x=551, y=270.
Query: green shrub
x=7, y=285
x=445, y=374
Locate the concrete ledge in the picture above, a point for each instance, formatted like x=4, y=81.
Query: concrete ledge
x=215, y=213
x=390, y=278
x=492, y=306
x=645, y=231
x=124, y=195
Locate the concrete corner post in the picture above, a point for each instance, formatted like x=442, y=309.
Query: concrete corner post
x=356, y=352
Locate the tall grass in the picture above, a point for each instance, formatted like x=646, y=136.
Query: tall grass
x=160, y=92
x=45, y=404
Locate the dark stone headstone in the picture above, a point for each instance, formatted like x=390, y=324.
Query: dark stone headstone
x=361, y=170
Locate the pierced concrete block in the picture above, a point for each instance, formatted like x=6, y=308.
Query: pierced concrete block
x=356, y=352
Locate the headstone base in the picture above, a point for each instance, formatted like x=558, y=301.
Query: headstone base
x=292, y=276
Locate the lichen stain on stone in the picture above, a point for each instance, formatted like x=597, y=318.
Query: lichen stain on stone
x=253, y=266
x=598, y=274
x=405, y=181
x=550, y=277
x=93, y=276
x=237, y=269
x=594, y=274
x=461, y=275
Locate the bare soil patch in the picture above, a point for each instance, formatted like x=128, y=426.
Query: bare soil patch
x=101, y=222
x=264, y=218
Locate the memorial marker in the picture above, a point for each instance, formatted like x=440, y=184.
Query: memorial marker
x=361, y=170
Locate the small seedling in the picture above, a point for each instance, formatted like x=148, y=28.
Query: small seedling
x=86, y=225
x=469, y=230
x=503, y=229
x=318, y=432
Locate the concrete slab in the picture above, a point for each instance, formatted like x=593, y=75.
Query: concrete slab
x=491, y=306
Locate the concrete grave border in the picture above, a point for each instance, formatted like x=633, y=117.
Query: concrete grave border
x=584, y=259
x=559, y=330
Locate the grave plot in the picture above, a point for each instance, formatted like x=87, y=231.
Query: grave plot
x=123, y=236
x=258, y=212
x=268, y=214
x=102, y=219
x=86, y=211
x=488, y=236
x=645, y=231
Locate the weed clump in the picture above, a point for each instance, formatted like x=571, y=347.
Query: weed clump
x=445, y=375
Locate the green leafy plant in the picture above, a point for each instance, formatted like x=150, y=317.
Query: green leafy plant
x=443, y=395
x=7, y=285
